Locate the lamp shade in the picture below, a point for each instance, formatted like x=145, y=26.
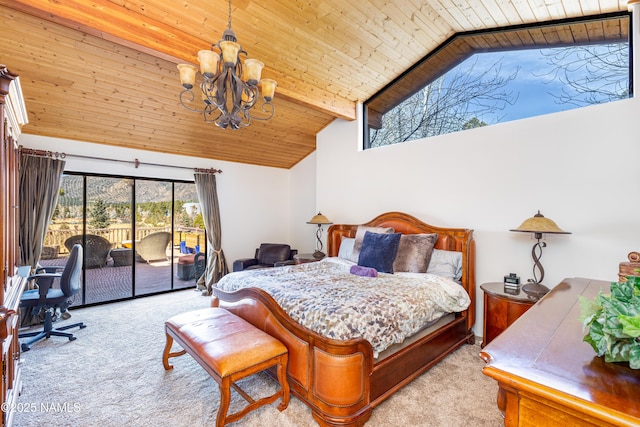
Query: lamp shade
x=539, y=224
x=187, y=75
x=253, y=71
x=319, y=219
x=230, y=52
x=268, y=88
x=208, y=62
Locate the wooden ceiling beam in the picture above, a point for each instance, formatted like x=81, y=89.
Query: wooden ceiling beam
x=104, y=19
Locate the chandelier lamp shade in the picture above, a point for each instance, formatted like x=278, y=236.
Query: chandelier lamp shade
x=538, y=225
x=320, y=220
x=228, y=88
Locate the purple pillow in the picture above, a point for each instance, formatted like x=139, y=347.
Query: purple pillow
x=363, y=271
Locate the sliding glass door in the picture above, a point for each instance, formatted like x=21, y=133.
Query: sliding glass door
x=141, y=236
x=108, y=264
x=66, y=227
x=189, y=234
x=154, y=243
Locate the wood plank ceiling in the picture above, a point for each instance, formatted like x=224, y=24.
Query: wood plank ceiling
x=104, y=71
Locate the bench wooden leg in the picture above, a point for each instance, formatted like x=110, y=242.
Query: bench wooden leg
x=167, y=353
x=225, y=393
x=225, y=400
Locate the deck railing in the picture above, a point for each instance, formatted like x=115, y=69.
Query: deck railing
x=55, y=238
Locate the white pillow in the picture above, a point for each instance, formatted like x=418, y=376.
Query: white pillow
x=346, y=247
x=446, y=264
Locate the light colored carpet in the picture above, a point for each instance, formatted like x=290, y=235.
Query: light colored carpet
x=113, y=375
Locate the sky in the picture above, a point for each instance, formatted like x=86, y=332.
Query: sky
x=533, y=86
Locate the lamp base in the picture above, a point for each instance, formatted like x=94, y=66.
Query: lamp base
x=535, y=290
x=318, y=255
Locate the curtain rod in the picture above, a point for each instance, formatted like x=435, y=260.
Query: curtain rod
x=135, y=162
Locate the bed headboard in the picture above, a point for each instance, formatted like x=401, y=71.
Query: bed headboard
x=450, y=239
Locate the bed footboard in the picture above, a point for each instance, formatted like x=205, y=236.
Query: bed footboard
x=340, y=396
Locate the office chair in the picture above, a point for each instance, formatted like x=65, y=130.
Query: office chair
x=50, y=299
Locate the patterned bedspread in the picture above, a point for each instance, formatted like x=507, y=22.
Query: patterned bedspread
x=324, y=297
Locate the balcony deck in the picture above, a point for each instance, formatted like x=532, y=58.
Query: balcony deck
x=111, y=282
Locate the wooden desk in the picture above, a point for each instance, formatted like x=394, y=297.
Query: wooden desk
x=548, y=376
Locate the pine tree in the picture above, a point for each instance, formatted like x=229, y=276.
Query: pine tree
x=99, y=217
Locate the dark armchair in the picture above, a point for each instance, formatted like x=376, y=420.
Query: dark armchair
x=267, y=255
x=50, y=299
x=96, y=249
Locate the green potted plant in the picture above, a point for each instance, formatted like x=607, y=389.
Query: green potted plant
x=612, y=322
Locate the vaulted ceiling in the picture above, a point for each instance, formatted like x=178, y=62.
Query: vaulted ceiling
x=104, y=71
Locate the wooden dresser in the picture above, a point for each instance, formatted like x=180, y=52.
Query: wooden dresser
x=13, y=116
x=547, y=376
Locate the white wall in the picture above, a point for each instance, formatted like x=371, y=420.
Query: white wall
x=303, y=204
x=580, y=168
x=254, y=200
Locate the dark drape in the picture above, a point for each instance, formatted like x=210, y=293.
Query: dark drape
x=39, y=186
x=216, y=262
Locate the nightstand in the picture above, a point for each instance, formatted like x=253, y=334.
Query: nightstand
x=501, y=309
x=304, y=258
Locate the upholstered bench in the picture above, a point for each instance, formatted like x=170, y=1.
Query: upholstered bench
x=229, y=348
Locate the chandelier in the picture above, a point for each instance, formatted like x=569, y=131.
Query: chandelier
x=229, y=88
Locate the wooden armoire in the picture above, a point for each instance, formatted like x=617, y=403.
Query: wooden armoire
x=13, y=115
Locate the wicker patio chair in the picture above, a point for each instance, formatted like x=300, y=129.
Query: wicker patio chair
x=153, y=247
x=96, y=249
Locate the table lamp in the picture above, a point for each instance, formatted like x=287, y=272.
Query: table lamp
x=538, y=225
x=320, y=220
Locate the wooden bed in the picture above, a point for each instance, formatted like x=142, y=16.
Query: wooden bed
x=340, y=380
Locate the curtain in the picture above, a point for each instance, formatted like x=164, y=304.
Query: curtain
x=39, y=186
x=216, y=262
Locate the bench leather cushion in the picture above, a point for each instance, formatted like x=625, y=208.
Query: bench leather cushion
x=224, y=341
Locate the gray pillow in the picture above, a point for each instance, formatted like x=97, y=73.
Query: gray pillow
x=446, y=263
x=357, y=244
x=346, y=247
x=414, y=252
